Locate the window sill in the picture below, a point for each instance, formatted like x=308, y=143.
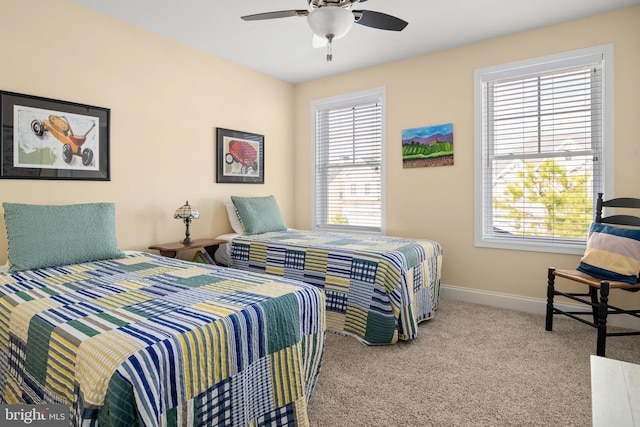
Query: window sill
x=548, y=247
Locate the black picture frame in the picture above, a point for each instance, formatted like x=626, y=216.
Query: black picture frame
x=240, y=157
x=45, y=138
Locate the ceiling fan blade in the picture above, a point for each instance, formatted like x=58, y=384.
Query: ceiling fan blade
x=318, y=42
x=379, y=20
x=274, y=15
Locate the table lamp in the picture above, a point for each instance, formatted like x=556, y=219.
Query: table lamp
x=187, y=213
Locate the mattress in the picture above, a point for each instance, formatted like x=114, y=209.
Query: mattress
x=222, y=256
x=378, y=289
x=148, y=340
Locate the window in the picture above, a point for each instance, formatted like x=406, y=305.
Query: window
x=542, y=150
x=349, y=162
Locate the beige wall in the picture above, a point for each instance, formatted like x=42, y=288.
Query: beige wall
x=438, y=203
x=166, y=101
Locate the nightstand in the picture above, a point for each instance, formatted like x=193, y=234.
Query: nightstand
x=171, y=249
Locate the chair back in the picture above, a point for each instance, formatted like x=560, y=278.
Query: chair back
x=620, y=202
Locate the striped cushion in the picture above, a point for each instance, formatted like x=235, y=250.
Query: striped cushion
x=613, y=253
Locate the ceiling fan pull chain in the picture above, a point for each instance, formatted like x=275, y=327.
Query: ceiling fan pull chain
x=329, y=49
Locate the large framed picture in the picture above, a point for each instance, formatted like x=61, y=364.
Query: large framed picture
x=240, y=157
x=45, y=138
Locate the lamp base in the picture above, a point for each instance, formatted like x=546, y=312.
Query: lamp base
x=187, y=235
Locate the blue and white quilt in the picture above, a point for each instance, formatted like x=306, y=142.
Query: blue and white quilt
x=147, y=340
x=377, y=288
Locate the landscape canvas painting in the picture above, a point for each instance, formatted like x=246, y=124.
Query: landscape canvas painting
x=427, y=146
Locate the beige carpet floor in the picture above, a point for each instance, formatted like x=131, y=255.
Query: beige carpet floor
x=472, y=365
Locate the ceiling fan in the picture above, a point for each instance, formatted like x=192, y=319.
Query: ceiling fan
x=332, y=19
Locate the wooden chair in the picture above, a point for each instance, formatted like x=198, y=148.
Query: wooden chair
x=598, y=289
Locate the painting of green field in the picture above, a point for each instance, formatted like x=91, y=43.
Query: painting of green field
x=427, y=146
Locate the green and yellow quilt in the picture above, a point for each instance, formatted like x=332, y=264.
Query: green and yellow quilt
x=147, y=340
x=377, y=288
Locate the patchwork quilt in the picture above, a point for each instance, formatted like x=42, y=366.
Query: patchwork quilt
x=377, y=288
x=148, y=340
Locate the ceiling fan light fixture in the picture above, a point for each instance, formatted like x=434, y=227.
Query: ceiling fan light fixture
x=330, y=21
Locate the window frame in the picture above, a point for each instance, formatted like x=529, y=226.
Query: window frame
x=523, y=68
x=344, y=101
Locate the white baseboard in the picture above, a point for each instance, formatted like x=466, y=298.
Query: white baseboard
x=526, y=304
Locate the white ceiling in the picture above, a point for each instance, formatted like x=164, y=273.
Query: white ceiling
x=282, y=47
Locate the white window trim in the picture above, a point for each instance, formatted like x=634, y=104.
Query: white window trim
x=341, y=100
x=527, y=67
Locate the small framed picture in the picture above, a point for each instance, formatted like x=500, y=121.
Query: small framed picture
x=240, y=157
x=45, y=138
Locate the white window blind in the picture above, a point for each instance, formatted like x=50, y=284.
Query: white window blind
x=349, y=163
x=542, y=152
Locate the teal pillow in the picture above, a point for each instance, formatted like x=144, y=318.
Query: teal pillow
x=42, y=236
x=259, y=214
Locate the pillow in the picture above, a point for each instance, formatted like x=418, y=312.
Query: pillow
x=613, y=253
x=235, y=222
x=259, y=214
x=50, y=235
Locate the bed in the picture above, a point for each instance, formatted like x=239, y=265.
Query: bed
x=377, y=288
x=138, y=339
